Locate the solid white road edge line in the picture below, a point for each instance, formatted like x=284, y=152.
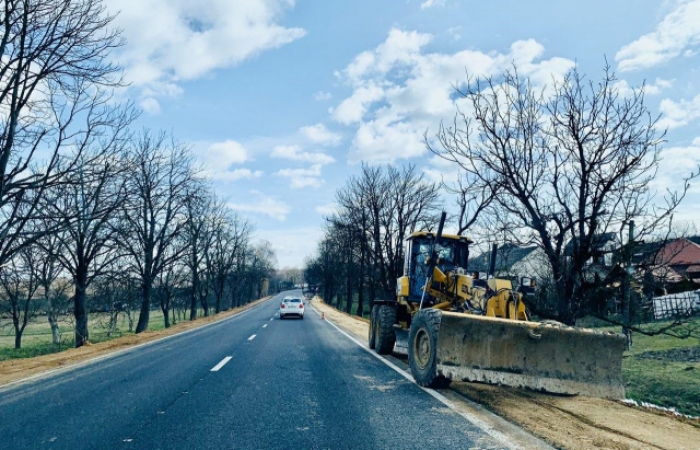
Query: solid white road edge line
x=221, y=364
x=497, y=435
x=252, y=337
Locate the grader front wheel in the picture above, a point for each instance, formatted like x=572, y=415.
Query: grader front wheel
x=422, y=348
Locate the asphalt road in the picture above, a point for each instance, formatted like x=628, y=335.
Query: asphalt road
x=289, y=384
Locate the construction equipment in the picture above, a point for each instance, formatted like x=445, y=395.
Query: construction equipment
x=456, y=325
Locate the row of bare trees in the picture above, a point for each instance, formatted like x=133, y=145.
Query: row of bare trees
x=92, y=211
x=557, y=167
x=362, y=252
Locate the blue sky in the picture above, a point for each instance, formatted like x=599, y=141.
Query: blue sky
x=281, y=100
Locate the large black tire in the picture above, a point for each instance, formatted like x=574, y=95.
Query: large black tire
x=422, y=348
x=371, y=338
x=385, y=337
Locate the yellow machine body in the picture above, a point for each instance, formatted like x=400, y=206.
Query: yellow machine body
x=486, y=335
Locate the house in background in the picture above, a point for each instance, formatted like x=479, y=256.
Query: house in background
x=605, y=245
x=679, y=259
x=512, y=262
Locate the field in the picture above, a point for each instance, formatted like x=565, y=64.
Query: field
x=665, y=371
x=36, y=339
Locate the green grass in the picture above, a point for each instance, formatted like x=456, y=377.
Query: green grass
x=36, y=339
x=662, y=381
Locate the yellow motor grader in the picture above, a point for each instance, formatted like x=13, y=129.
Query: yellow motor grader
x=454, y=325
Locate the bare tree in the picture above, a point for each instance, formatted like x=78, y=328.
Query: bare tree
x=153, y=217
x=19, y=282
x=197, y=233
x=53, y=67
x=231, y=234
x=558, y=168
x=85, y=205
x=49, y=271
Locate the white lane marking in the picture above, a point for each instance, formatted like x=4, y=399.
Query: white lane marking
x=265, y=326
x=221, y=364
x=272, y=319
x=488, y=429
x=252, y=337
x=97, y=359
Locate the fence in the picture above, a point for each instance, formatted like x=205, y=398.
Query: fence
x=674, y=305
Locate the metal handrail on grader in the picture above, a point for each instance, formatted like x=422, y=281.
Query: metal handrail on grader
x=457, y=326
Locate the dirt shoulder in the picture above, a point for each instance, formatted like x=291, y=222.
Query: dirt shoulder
x=572, y=423
x=17, y=369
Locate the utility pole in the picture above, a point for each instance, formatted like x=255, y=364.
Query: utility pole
x=627, y=284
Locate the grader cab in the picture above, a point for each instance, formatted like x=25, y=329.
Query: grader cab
x=454, y=324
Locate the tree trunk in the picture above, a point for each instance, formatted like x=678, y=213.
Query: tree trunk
x=360, y=284
x=82, y=336
x=144, y=316
x=18, y=339
x=165, y=307
x=166, y=315
x=195, y=292
x=52, y=316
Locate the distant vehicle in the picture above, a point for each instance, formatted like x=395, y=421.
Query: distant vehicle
x=291, y=306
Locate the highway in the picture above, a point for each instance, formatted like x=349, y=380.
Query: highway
x=248, y=382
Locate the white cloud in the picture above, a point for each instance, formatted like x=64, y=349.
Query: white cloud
x=430, y=3
x=321, y=96
x=219, y=158
x=264, y=204
x=293, y=245
x=352, y=109
x=301, y=178
x=441, y=170
x=226, y=153
x=655, y=88
x=169, y=41
x=150, y=105
x=400, y=90
x=319, y=134
x=238, y=174
x=454, y=33
x=327, y=209
x=293, y=152
x=675, y=165
x=673, y=36
x=678, y=114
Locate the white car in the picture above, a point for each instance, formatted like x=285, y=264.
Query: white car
x=291, y=306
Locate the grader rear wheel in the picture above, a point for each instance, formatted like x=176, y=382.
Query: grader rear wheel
x=422, y=348
x=385, y=337
x=372, y=338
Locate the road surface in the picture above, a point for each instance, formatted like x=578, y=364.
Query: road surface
x=249, y=382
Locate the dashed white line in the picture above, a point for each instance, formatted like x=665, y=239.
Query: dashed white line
x=272, y=319
x=265, y=326
x=252, y=337
x=221, y=364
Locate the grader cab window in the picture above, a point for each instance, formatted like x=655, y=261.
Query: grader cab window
x=450, y=254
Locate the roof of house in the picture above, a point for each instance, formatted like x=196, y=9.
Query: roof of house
x=506, y=257
x=681, y=252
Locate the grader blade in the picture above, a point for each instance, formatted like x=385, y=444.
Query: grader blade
x=539, y=356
